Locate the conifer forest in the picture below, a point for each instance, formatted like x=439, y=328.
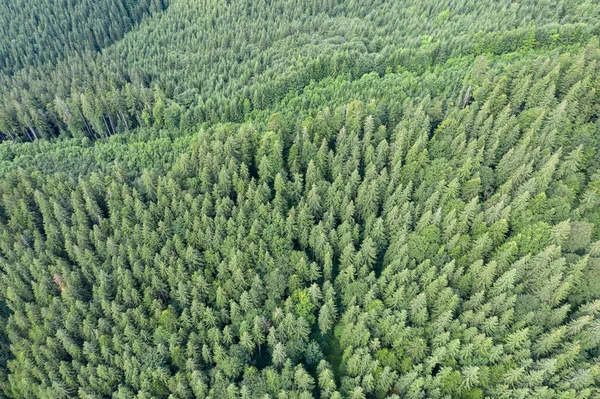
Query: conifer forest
x=295, y=199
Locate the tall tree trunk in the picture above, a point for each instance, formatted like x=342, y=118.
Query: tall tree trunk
x=112, y=124
x=14, y=137
x=7, y=135
x=107, y=128
x=33, y=131
x=89, y=129
x=124, y=121
x=467, y=97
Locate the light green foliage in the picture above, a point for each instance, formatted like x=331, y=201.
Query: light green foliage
x=303, y=307
x=301, y=199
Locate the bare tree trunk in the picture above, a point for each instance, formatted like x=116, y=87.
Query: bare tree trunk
x=14, y=137
x=89, y=129
x=7, y=134
x=33, y=131
x=467, y=97
x=124, y=121
x=107, y=128
x=112, y=124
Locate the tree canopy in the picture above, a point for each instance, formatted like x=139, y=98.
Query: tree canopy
x=315, y=199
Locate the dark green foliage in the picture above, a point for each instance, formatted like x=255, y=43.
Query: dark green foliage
x=313, y=199
x=34, y=34
x=220, y=60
